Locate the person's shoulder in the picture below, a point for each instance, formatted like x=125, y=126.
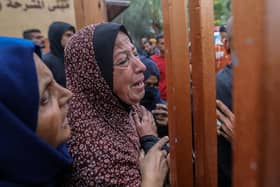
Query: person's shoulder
x=47, y=56
x=49, y=59
x=146, y=59
x=155, y=57
x=225, y=73
x=224, y=81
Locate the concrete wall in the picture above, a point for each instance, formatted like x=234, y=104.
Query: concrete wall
x=16, y=16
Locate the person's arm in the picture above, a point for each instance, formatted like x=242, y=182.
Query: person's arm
x=146, y=125
x=161, y=118
x=226, y=119
x=161, y=114
x=148, y=141
x=154, y=165
x=147, y=131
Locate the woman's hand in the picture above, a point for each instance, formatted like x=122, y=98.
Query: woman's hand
x=146, y=125
x=154, y=165
x=161, y=114
x=226, y=118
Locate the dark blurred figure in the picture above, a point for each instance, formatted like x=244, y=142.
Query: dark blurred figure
x=145, y=47
x=59, y=34
x=223, y=33
x=159, y=59
x=36, y=36
x=151, y=99
x=153, y=44
x=151, y=80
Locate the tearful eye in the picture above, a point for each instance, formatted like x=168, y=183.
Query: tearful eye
x=45, y=98
x=123, y=62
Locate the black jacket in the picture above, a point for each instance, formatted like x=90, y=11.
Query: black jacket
x=55, y=58
x=224, y=93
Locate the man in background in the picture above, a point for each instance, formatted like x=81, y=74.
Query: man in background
x=35, y=35
x=221, y=50
x=153, y=44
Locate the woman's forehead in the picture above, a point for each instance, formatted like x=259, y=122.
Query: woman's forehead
x=122, y=41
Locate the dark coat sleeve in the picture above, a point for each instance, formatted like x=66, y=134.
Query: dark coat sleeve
x=148, y=141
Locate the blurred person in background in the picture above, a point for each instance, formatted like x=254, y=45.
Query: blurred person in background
x=36, y=36
x=59, y=34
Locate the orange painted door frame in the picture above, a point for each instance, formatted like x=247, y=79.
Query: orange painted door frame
x=201, y=15
x=256, y=39
x=178, y=92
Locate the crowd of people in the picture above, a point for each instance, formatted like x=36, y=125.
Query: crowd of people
x=97, y=108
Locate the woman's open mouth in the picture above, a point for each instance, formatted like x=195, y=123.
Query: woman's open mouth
x=138, y=85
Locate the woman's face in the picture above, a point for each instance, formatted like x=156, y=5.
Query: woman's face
x=53, y=107
x=128, y=77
